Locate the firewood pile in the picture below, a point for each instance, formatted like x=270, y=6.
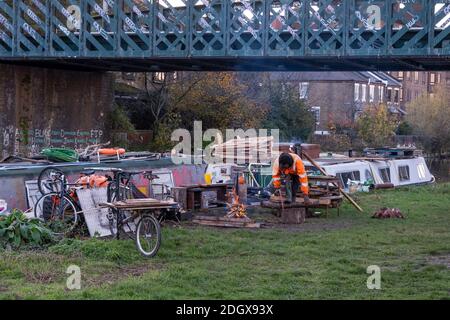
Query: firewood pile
x=387, y=213
x=236, y=216
x=235, y=208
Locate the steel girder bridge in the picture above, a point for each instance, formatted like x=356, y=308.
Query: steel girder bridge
x=277, y=35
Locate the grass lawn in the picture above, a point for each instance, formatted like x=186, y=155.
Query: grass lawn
x=324, y=258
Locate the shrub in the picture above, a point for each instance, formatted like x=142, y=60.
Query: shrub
x=17, y=229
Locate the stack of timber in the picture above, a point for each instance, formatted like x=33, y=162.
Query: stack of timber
x=225, y=222
x=322, y=194
x=245, y=150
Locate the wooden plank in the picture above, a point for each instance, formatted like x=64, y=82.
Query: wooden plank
x=254, y=225
x=218, y=218
x=301, y=201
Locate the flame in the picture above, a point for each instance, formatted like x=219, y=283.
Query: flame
x=236, y=209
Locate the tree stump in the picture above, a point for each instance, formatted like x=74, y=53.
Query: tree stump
x=293, y=215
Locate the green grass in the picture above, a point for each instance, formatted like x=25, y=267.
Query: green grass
x=325, y=258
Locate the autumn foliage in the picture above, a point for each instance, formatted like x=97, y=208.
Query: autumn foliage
x=375, y=126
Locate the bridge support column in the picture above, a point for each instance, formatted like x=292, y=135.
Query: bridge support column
x=48, y=107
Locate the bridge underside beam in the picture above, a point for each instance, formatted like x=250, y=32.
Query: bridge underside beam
x=136, y=35
x=242, y=64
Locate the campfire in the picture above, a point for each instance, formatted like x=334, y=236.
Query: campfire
x=236, y=209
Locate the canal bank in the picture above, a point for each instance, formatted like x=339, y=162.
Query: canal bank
x=440, y=168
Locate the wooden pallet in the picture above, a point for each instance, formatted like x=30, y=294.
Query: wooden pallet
x=226, y=222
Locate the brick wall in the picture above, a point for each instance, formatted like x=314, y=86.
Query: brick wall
x=47, y=107
x=336, y=100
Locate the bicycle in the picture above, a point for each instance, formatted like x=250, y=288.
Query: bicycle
x=59, y=204
x=144, y=227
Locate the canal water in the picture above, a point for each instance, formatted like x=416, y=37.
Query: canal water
x=440, y=169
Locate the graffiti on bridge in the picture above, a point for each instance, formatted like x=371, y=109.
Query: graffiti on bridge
x=29, y=142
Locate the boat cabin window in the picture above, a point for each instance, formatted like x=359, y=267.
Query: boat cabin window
x=345, y=176
x=421, y=171
x=403, y=173
x=368, y=175
x=385, y=174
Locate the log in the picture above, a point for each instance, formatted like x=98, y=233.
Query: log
x=384, y=186
x=213, y=221
x=293, y=215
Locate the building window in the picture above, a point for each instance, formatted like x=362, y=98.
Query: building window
x=364, y=93
x=397, y=96
x=408, y=75
x=159, y=77
x=357, y=98
x=389, y=95
x=400, y=75
x=416, y=77
x=403, y=173
x=432, y=78
x=439, y=80
x=381, y=94
x=304, y=88
x=372, y=93
x=316, y=114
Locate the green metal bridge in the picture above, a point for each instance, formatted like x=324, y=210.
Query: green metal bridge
x=277, y=35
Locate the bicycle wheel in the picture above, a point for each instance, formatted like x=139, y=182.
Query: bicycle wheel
x=51, y=179
x=148, y=236
x=60, y=212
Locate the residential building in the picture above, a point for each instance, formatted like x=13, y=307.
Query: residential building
x=337, y=98
x=417, y=83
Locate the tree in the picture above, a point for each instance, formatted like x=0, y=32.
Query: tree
x=375, y=126
x=288, y=113
x=429, y=115
x=219, y=100
x=404, y=129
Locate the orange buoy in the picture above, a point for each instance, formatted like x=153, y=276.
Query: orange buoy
x=111, y=152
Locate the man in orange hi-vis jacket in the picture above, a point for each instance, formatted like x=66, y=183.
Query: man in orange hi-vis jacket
x=289, y=166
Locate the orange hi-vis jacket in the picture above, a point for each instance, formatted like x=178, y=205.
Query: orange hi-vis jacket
x=297, y=168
